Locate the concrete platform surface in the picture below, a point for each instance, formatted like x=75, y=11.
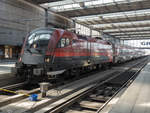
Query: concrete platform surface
x=5, y=67
x=136, y=99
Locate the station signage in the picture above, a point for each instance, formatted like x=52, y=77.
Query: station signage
x=145, y=43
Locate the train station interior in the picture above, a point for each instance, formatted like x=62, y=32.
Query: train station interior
x=74, y=56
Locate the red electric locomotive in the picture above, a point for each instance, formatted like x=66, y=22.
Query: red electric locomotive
x=50, y=52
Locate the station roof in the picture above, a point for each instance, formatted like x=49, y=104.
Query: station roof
x=42, y=1
x=124, y=19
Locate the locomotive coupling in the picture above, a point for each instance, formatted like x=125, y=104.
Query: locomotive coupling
x=37, y=71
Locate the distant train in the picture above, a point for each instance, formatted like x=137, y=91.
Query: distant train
x=52, y=53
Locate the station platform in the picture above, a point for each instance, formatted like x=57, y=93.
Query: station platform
x=136, y=98
x=5, y=68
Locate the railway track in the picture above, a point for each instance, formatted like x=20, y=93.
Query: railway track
x=15, y=86
x=96, y=96
x=94, y=101
x=16, y=103
x=10, y=81
x=6, y=78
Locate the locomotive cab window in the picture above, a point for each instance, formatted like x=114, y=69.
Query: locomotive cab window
x=38, y=40
x=63, y=42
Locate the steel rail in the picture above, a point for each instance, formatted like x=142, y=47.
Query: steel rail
x=70, y=101
x=131, y=78
x=14, y=86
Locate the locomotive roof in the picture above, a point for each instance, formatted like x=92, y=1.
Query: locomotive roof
x=83, y=37
x=43, y=28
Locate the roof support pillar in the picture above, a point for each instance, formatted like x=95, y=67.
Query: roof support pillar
x=90, y=32
x=46, y=18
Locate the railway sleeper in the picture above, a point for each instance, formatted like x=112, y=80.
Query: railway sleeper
x=98, y=98
x=79, y=111
x=90, y=105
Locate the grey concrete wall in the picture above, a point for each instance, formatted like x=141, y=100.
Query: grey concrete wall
x=17, y=17
x=13, y=24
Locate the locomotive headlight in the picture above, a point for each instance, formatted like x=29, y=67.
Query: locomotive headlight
x=47, y=60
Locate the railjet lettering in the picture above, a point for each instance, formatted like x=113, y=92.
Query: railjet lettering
x=145, y=43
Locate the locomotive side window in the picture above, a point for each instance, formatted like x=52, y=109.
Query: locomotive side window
x=63, y=42
x=67, y=41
